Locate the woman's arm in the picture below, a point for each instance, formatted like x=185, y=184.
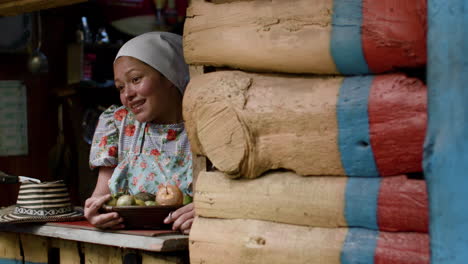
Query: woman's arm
x=100, y=195
x=101, y=189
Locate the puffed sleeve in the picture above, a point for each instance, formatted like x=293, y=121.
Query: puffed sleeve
x=104, y=147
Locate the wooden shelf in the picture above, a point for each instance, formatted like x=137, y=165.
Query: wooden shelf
x=16, y=7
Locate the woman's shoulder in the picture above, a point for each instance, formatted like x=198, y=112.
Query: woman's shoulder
x=111, y=110
x=116, y=113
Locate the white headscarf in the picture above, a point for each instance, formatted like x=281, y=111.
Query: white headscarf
x=161, y=50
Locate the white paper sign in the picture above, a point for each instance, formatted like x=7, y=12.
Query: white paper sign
x=13, y=119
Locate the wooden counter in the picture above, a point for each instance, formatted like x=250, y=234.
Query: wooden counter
x=79, y=242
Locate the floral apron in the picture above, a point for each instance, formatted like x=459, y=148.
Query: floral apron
x=140, y=171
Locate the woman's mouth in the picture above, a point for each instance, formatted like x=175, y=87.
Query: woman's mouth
x=137, y=106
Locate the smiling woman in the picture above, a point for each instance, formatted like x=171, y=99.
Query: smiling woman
x=142, y=146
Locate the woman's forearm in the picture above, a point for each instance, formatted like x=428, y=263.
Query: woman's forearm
x=102, y=187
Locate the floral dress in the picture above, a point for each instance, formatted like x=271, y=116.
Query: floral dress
x=145, y=155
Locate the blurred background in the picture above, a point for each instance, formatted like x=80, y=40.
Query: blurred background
x=56, y=78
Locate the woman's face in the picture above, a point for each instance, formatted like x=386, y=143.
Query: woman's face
x=146, y=92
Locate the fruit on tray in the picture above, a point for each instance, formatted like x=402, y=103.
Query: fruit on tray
x=125, y=200
x=169, y=195
x=187, y=199
x=142, y=198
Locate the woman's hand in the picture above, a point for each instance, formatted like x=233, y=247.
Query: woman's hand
x=109, y=220
x=182, y=218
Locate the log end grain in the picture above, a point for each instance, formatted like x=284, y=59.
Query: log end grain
x=221, y=134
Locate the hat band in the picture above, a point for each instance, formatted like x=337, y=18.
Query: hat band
x=43, y=211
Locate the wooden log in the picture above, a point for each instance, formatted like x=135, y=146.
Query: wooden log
x=252, y=241
x=10, y=245
x=248, y=123
x=278, y=197
x=388, y=204
x=299, y=36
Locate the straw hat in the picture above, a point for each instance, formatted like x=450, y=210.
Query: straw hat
x=41, y=202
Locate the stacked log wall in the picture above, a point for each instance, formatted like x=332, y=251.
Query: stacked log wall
x=332, y=137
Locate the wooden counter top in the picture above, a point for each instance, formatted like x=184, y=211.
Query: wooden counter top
x=82, y=231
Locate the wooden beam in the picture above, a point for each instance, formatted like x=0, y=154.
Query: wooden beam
x=16, y=7
x=446, y=147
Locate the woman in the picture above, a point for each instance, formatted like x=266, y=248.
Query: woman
x=143, y=145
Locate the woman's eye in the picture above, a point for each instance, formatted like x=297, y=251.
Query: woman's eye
x=120, y=88
x=136, y=79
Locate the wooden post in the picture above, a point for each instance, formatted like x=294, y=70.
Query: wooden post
x=446, y=146
x=69, y=251
x=102, y=254
x=10, y=248
x=35, y=248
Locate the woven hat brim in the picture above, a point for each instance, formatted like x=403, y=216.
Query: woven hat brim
x=11, y=218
